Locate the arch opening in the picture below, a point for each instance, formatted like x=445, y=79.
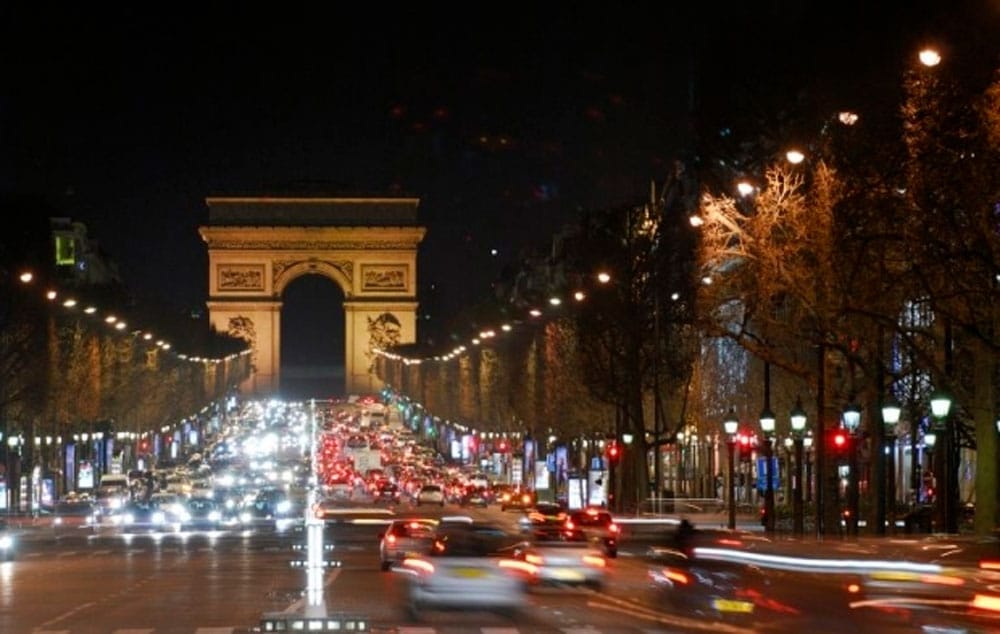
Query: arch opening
x=312, y=338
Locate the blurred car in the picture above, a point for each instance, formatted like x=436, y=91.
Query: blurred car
x=544, y=514
x=8, y=544
x=516, y=499
x=271, y=504
x=711, y=589
x=139, y=516
x=74, y=513
x=430, y=494
x=340, y=488
x=463, y=570
x=387, y=492
x=599, y=527
x=563, y=557
x=475, y=496
x=353, y=523
x=205, y=513
x=405, y=536
x=169, y=509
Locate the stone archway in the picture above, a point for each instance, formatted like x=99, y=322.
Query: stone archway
x=367, y=246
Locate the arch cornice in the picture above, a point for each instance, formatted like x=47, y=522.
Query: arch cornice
x=312, y=238
x=339, y=271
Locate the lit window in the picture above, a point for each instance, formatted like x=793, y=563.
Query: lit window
x=65, y=251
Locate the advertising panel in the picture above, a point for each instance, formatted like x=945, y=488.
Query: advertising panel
x=541, y=475
x=596, y=480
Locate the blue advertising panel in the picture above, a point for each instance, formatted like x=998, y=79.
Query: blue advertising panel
x=562, y=465
x=775, y=477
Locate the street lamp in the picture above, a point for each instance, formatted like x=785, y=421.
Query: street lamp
x=798, y=419
x=730, y=425
x=807, y=443
x=890, y=416
x=940, y=408
x=852, y=421
x=767, y=426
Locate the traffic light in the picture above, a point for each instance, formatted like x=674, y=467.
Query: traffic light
x=614, y=451
x=502, y=446
x=839, y=440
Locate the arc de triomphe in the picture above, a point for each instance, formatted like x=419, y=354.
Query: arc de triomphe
x=367, y=246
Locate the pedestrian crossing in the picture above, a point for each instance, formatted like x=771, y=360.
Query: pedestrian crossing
x=152, y=630
x=390, y=629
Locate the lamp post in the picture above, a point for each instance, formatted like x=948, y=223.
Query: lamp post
x=940, y=407
x=730, y=425
x=930, y=440
x=807, y=443
x=798, y=419
x=767, y=426
x=890, y=416
x=852, y=420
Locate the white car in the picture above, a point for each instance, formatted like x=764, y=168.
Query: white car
x=463, y=572
x=564, y=557
x=430, y=494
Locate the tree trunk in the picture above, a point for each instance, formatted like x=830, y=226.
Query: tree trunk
x=986, y=443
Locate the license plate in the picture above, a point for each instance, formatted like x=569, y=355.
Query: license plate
x=729, y=605
x=894, y=575
x=567, y=575
x=468, y=573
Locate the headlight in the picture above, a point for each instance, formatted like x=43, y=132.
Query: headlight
x=159, y=517
x=6, y=542
x=284, y=506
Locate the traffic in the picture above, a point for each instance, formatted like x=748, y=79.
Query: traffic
x=446, y=540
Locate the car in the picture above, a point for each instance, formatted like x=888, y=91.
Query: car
x=561, y=556
x=599, y=527
x=463, y=570
x=430, y=494
x=170, y=509
x=387, y=492
x=475, y=496
x=74, y=513
x=140, y=516
x=272, y=504
x=8, y=544
x=205, y=513
x=516, y=499
x=405, y=536
x=544, y=515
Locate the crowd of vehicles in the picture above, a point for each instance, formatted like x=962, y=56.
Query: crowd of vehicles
x=422, y=514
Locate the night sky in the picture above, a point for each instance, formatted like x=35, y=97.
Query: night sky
x=504, y=119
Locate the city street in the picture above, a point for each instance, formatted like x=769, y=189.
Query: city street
x=223, y=582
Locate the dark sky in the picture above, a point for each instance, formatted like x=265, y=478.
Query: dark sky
x=505, y=119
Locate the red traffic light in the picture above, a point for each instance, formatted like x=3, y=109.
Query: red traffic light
x=840, y=440
x=614, y=451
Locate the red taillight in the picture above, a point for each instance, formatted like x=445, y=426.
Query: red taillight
x=676, y=576
x=518, y=565
x=526, y=498
x=570, y=525
x=391, y=539
x=613, y=527
x=419, y=565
